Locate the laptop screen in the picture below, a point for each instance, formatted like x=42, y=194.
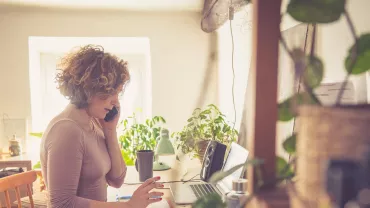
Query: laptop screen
x=237, y=155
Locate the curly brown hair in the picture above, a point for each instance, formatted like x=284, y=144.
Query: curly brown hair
x=90, y=71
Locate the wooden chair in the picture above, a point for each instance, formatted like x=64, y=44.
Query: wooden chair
x=14, y=182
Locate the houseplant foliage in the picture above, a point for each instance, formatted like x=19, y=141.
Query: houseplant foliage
x=203, y=126
x=210, y=200
x=311, y=68
x=215, y=200
x=139, y=136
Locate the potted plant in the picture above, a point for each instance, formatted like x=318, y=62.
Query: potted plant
x=323, y=131
x=203, y=126
x=138, y=136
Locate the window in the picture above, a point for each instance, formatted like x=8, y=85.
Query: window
x=45, y=53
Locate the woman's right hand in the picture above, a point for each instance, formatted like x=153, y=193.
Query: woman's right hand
x=142, y=197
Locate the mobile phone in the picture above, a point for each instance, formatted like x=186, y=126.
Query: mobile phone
x=111, y=114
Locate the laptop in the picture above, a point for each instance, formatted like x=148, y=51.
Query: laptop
x=188, y=193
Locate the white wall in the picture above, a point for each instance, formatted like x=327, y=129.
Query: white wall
x=335, y=40
x=242, y=35
x=179, y=52
x=333, y=43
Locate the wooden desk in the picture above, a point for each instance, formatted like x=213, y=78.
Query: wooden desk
x=173, y=174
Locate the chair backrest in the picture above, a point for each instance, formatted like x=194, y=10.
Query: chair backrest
x=14, y=182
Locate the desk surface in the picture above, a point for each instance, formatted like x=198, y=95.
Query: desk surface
x=176, y=173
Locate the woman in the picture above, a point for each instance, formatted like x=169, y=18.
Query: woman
x=80, y=154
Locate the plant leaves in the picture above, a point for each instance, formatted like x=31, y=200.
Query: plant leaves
x=219, y=175
x=283, y=168
x=290, y=143
x=311, y=68
x=362, y=63
x=37, y=134
x=316, y=11
x=205, y=124
x=314, y=72
x=127, y=159
x=37, y=165
x=212, y=200
x=286, y=109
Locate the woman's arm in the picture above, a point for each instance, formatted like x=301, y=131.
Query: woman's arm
x=117, y=173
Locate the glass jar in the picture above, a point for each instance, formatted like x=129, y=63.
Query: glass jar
x=238, y=195
x=15, y=148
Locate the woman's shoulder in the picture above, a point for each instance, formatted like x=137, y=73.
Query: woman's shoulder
x=64, y=123
x=70, y=118
x=63, y=126
x=62, y=135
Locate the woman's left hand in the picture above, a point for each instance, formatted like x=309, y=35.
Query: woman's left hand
x=111, y=126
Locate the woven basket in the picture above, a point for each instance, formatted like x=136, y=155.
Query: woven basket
x=325, y=133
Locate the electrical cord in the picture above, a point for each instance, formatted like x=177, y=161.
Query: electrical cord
x=299, y=81
x=179, y=181
x=231, y=17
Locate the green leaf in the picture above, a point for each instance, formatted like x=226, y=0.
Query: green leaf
x=289, y=144
x=212, y=200
x=218, y=120
x=283, y=168
x=314, y=72
x=310, y=68
x=206, y=112
x=37, y=165
x=286, y=112
x=162, y=119
x=219, y=175
x=362, y=63
x=316, y=11
x=37, y=134
x=128, y=160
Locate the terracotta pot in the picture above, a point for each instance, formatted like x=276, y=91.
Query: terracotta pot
x=326, y=133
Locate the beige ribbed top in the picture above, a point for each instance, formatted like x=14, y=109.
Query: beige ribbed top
x=75, y=161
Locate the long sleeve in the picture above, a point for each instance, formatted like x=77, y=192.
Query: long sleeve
x=117, y=181
x=115, y=177
x=64, y=146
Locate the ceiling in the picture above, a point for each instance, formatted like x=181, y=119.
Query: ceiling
x=141, y=5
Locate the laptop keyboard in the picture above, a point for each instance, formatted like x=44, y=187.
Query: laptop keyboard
x=201, y=190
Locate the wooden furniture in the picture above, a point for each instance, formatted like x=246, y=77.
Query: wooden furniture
x=262, y=86
x=262, y=100
x=8, y=162
x=14, y=182
x=16, y=164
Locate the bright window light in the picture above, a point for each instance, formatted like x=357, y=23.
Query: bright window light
x=46, y=52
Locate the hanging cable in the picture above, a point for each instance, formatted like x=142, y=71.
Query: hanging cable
x=231, y=17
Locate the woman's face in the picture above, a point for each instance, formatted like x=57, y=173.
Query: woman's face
x=100, y=105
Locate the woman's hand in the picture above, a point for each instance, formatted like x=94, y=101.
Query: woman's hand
x=111, y=126
x=142, y=197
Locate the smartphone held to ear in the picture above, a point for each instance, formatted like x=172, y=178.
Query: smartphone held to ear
x=111, y=114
